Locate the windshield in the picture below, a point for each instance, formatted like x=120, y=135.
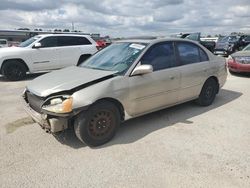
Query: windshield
x=116, y=57
x=29, y=41
x=246, y=48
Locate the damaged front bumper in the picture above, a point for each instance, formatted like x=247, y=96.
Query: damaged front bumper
x=49, y=123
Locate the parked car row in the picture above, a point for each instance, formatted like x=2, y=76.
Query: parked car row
x=230, y=44
x=222, y=46
x=125, y=80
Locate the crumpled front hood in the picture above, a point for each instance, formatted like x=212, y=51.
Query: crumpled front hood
x=65, y=79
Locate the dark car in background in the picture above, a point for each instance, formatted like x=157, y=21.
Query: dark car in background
x=245, y=41
x=231, y=44
x=240, y=61
x=197, y=37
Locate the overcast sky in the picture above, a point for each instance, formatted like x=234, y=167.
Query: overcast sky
x=128, y=17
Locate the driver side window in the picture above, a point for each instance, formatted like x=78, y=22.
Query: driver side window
x=48, y=42
x=160, y=56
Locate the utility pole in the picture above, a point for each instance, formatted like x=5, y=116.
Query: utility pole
x=73, y=27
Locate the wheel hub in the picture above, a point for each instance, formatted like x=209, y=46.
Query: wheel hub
x=101, y=124
x=209, y=92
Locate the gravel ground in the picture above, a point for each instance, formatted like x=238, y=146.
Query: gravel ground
x=183, y=146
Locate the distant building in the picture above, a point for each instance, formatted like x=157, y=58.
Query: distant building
x=22, y=35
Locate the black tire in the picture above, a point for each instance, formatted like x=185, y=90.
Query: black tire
x=14, y=70
x=208, y=92
x=231, y=72
x=98, y=124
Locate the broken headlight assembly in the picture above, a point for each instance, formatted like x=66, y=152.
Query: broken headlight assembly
x=60, y=104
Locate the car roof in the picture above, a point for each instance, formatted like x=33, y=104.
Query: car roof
x=156, y=40
x=74, y=35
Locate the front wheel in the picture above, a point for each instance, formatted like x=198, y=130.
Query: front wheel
x=14, y=70
x=208, y=93
x=98, y=124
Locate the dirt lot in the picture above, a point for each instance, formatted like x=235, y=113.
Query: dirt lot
x=184, y=146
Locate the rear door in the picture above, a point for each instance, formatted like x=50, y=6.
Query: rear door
x=157, y=89
x=195, y=68
x=69, y=52
x=71, y=48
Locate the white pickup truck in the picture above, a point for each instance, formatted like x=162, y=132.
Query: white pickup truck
x=44, y=53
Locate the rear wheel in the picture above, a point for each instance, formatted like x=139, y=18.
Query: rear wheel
x=14, y=70
x=208, y=93
x=98, y=124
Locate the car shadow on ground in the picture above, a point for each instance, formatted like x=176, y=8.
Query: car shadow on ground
x=135, y=129
x=27, y=78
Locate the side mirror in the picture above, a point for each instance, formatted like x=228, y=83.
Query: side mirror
x=142, y=69
x=37, y=45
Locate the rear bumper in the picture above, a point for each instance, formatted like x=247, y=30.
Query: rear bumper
x=50, y=124
x=238, y=67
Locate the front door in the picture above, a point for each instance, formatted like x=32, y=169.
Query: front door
x=160, y=88
x=46, y=57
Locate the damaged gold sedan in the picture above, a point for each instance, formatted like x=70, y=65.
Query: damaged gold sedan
x=128, y=79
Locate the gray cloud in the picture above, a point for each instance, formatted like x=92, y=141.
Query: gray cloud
x=127, y=18
x=28, y=5
x=161, y=3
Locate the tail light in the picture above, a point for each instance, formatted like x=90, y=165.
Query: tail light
x=230, y=60
x=98, y=46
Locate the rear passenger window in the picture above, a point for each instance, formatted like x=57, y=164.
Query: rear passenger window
x=66, y=41
x=48, y=42
x=188, y=53
x=203, y=55
x=72, y=41
x=160, y=56
x=83, y=41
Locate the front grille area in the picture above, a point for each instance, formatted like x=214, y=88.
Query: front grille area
x=34, y=101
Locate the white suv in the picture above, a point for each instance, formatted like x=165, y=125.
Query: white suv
x=45, y=53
